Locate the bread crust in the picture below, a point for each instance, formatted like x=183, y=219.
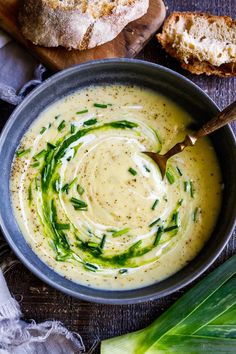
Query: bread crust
x=194, y=65
x=75, y=28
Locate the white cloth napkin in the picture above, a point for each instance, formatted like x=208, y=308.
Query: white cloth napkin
x=19, y=71
x=19, y=337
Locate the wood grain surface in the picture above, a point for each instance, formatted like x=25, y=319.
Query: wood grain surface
x=127, y=44
x=95, y=321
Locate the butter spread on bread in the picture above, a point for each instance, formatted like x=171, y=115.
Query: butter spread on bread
x=203, y=43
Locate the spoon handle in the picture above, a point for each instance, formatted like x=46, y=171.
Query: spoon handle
x=226, y=116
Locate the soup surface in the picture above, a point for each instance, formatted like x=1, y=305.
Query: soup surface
x=94, y=207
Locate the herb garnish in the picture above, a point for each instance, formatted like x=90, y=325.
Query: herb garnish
x=99, y=105
x=196, y=214
x=79, y=204
x=61, y=126
x=191, y=189
x=40, y=155
x=90, y=122
x=82, y=112
x=90, y=266
x=154, y=222
x=102, y=244
x=36, y=164
x=43, y=130
x=63, y=226
x=155, y=204
x=67, y=186
x=30, y=196
x=179, y=171
x=132, y=171
x=72, y=128
x=123, y=271
x=56, y=185
x=146, y=168
x=171, y=228
x=170, y=176
x=21, y=153
x=159, y=233
x=121, y=232
x=80, y=189
x=188, y=187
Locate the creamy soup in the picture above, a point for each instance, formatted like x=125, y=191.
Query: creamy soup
x=94, y=207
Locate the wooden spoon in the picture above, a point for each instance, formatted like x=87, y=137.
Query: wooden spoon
x=228, y=115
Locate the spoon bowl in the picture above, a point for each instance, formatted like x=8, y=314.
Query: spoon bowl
x=228, y=115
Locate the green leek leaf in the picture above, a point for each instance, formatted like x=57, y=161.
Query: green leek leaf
x=201, y=321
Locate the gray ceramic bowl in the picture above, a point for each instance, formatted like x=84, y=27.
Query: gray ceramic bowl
x=122, y=71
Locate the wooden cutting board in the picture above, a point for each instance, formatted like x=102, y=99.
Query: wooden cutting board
x=128, y=43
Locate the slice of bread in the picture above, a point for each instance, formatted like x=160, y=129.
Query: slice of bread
x=202, y=43
x=77, y=24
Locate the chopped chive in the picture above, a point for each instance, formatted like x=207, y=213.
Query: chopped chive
x=90, y=122
x=132, y=171
x=99, y=105
x=146, y=168
x=36, y=164
x=80, y=189
x=111, y=230
x=43, y=130
x=191, y=189
x=49, y=125
x=196, y=214
x=72, y=128
x=121, y=232
x=76, y=207
x=171, y=228
x=92, y=244
x=40, y=155
x=78, y=204
x=175, y=218
x=179, y=171
x=51, y=146
x=102, y=244
x=121, y=124
x=21, y=153
x=82, y=112
x=90, y=266
x=158, y=235
x=154, y=222
x=73, y=182
x=61, y=126
x=63, y=226
x=180, y=201
x=136, y=245
x=155, y=204
x=186, y=186
x=123, y=271
x=56, y=185
x=36, y=183
x=65, y=188
x=30, y=196
x=170, y=176
x=56, y=117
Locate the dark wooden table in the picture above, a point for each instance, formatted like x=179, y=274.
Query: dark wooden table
x=94, y=321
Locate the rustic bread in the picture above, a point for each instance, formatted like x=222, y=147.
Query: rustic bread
x=78, y=24
x=202, y=43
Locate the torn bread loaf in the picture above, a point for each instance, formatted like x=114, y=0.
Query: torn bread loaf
x=77, y=24
x=202, y=43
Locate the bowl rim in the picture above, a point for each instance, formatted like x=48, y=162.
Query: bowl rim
x=39, y=273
